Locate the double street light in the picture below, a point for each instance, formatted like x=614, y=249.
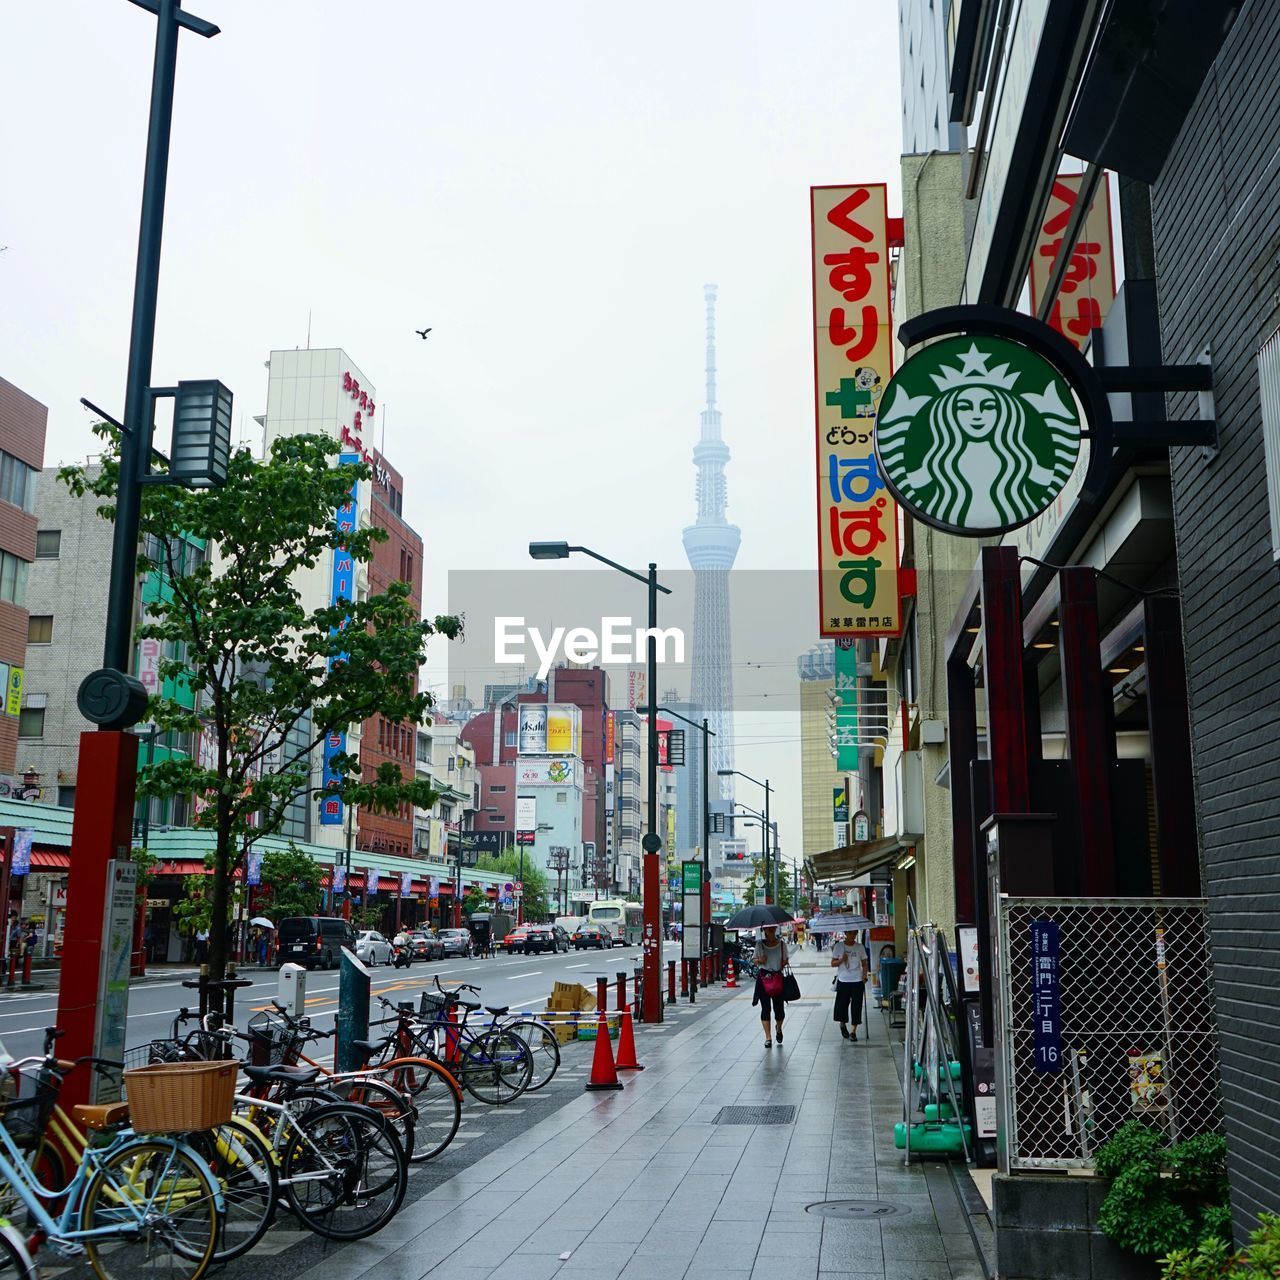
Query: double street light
x=652, y=842
x=770, y=882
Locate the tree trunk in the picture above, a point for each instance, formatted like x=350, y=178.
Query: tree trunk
x=218, y=909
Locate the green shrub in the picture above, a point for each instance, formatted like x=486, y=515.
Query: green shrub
x=1163, y=1199
x=1212, y=1259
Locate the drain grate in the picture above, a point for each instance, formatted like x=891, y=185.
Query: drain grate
x=855, y=1209
x=755, y=1115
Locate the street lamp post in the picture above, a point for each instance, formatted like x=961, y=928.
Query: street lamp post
x=770, y=885
x=652, y=842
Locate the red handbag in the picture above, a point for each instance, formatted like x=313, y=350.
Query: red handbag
x=771, y=981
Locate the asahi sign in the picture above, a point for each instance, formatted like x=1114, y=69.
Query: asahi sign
x=978, y=433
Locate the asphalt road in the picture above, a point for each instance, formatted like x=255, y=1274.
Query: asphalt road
x=523, y=982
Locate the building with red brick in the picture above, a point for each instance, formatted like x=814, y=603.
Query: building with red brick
x=22, y=430
x=399, y=559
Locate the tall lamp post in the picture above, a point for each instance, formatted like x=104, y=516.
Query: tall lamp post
x=652, y=842
x=770, y=885
x=93, y=1007
x=768, y=830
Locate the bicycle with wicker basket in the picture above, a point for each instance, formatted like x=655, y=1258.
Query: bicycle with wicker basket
x=140, y=1201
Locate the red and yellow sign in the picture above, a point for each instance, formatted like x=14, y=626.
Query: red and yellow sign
x=1089, y=286
x=852, y=361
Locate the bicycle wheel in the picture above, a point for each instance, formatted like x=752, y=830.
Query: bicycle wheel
x=15, y=1261
x=158, y=1200
x=495, y=1067
x=392, y=1104
x=543, y=1047
x=343, y=1172
x=242, y=1162
x=437, y=1097
x=50, y=1170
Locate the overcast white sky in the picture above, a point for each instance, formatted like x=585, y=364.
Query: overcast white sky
x=548, y=186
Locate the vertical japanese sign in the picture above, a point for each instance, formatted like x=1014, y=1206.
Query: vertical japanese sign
x=13, y=690
x=852, y=361
x=1046, y=1031
x=342, y=588
x=526, y=819
x=22, y=839
x=1089, y=286
x=253, y=871
x=406, y=884
x=339, y=878
x=372, y=881
x=610, y=736
x=119, y=913
x=846, y=698
x=839, y=804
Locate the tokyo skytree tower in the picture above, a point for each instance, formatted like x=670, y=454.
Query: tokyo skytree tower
x=712, y=545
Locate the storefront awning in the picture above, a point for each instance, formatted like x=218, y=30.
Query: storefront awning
x=851, y=861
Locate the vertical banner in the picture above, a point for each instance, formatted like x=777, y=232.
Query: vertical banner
x=13, y=690
x=22, y=839
x=1089, y=286
x=253, y=871
x=339, y=878
x=372, y=876
x=846, y=694
x=610, y=736
x=120, y=911
x=852, y=361
x=341, y=587
x=406, y=884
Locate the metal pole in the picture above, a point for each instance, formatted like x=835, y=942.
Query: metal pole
x=770, y=887
x=706, y=838
x=652, y=910
x=520, y=897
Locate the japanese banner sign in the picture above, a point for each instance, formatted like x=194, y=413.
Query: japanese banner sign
x=372, y=880
x=342, y=588
x=1046, y=1032
x=853, y=359
x=253, y=870
x=22, y=839
x=339, y=877
x=1089, y=286
x=406, y=884
x=846, y=695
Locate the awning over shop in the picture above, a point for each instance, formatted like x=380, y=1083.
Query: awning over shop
x=851, y=861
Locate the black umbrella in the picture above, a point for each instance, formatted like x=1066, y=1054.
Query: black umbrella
x=757, y=917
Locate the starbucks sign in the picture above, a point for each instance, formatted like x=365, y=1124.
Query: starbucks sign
x=977, y=434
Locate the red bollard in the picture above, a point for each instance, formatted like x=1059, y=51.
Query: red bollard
x=602, y=995
x=13, y=967
x=684, y=976
x=26, y=968
x=671, y=982
x=622, y=992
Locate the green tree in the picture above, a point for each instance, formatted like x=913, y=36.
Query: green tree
x=275, y=679
x=531, y=876
x=754, y=890
x=290, y=884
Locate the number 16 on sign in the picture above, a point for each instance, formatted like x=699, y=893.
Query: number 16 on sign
x=1045, y=1023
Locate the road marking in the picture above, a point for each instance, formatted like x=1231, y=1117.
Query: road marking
x=516, y=976
x=577, y=966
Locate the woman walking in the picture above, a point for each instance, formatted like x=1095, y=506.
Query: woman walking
x=770, y=960
x=849, y=960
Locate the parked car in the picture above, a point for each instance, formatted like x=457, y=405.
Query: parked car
x=592, y=935
x=545, y=937
x=426, y=945
x=314, y=940
x=456, y=942
x=373, y=948
x=515, y=940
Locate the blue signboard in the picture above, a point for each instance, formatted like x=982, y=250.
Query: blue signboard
x=253, y=872
x=342, y=587
x=1046, y=1028
x=339, y=878
x=21, y=863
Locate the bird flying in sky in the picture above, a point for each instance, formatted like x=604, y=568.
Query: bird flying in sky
x=422, y=333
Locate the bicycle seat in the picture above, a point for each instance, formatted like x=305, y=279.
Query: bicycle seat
x=368, y=1047
x=282, y=1075
x=469, y=1005
x=100, y=1117
x=497, y=1010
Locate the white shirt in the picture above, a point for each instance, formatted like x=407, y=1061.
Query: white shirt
x=770, y=957
x=852, y=959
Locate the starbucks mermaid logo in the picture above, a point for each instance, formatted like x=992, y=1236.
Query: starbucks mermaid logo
x=977, y=434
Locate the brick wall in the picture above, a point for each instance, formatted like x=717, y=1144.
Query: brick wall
x=1217, y=225
x=397, y=559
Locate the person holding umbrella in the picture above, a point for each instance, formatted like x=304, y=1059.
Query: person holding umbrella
x=770, y=959
x=849, y=960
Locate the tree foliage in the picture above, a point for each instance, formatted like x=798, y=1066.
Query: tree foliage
x=531, y=876
x=274, y=679
x=290, y=885
x=754, y=889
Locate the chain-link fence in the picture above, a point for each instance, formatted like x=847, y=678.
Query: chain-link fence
x=1104, y=1015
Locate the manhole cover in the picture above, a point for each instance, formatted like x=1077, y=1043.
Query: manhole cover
x=855, y=1209
x=755, y=1115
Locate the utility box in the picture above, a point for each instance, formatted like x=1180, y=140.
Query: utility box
x=293, y=989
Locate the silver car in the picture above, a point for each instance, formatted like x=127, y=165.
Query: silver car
x=372, y=948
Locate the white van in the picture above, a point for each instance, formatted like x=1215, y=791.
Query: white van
x=570, y=923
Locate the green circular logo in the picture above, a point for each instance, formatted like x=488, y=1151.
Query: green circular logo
x=977, y=435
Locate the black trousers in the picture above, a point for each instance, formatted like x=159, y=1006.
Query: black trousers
x=778, y=1003
x=849, y=1002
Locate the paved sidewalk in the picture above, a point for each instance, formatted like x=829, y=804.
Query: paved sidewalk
x=644, y=1185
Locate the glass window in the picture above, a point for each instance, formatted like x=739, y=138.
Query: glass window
x=509, y=738
x=40, y=628
x=497, y=786
x=66, y=797
x=48, y=544
x=13, y=577
x=17, y=482
x=31, y=722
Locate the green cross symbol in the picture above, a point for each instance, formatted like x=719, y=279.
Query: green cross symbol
x=849, y=397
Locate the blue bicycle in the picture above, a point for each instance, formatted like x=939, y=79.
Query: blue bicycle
x=138, y=1208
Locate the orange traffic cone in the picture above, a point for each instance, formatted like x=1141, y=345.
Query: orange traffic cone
x=604, y=1075
x=732, y=980
x=627, y=1044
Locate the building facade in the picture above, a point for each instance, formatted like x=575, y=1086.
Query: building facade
x=22, y=430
